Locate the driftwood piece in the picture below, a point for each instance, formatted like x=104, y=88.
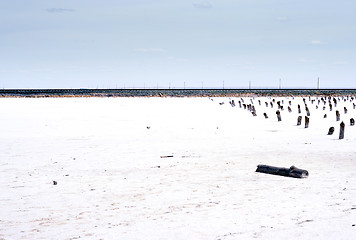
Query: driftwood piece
x=331, y=131
x=286, y=172
x=342, y=130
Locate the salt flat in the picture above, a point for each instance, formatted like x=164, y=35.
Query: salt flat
x=115, y=181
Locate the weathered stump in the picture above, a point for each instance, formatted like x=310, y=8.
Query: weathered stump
x=306, y=122
x=265, y=114
x=244, y=105
x=337, y=115
x=352, y=121
x=299, y=120
x=286, y=172
x=331, y=106
x=331, y=131
x=279, y=116
x=342, y=130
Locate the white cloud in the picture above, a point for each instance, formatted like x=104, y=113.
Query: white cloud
x=282, y=19
x=316, y=42
x=59, y=10
x=149, y=50
x=341, y=62
x=203, y=5
x=305, y=60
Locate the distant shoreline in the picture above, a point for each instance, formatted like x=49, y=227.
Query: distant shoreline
x=54, y=93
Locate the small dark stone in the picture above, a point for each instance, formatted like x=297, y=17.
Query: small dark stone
x=54, y=182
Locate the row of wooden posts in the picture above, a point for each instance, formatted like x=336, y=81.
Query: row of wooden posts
x=252, y=109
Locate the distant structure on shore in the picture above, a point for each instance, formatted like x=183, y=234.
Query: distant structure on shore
x=168, y=92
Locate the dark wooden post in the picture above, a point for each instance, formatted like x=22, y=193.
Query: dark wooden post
x=299, y=120
x=259, y=102
x=271, y=105
x=240, y=104
x=323, y=108
x=266, y=104
x=331, y=131
x=345, y=110
x=279, y=116
x=342, y=130
x=337, y=115
x=331, y=106
x=306, y=122
x=289, y=109
x=307, y=110
x=352, y=121
x=299, y=109
x=254, y=113
x=316, y=106
x=265, y=114
x=290, y=103
x=354, y=105
x=244, y=106
x=325, y=116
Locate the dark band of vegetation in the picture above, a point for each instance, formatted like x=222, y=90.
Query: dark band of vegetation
x=168, y=92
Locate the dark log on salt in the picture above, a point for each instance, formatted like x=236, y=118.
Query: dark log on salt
x=306, y=122
x=342, y=130
x=279, y=116
x=265, y=114
x=299, y=120
x=286, y=172
x=337, y=115
x=331, y=131
x=352, y=121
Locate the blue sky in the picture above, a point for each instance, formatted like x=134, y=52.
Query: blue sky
x=161, y=43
